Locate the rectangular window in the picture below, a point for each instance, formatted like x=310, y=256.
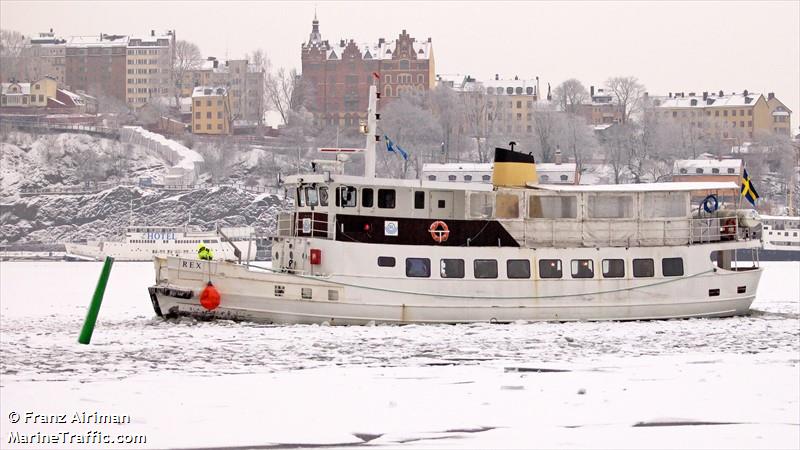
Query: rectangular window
x=643, y=268
x=550, y=268
x=219, y=114
x=219, y=126
x=613, y=268
x=323, y=196
x=485, y=268
x=208, y=115
x=346, y=197
x=480, y=205
x=672, y=267
x=419, y=200
x=312, y=199
x=418, y=267
x=386, y=261
x=518, y=268
x=610, y=206
x=665, y=204
x=506, y=206
x=386, y=198
x=208, y=126
x=552, y=207
x=451, y=268
x=367, y=198
x=582, y=268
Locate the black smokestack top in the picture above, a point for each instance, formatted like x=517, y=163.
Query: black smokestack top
x=502, y=155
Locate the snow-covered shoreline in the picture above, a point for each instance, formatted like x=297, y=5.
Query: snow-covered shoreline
x=212, y=384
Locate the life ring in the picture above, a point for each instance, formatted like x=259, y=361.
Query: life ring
x=729, y=228
x=706, y=204
x=439, y=231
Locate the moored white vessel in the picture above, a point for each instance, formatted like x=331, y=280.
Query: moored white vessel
x=143, y=243
x=361, y=249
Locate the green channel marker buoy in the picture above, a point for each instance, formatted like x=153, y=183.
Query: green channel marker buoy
x=97, y=299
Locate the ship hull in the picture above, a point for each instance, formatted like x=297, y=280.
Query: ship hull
x=263, y=296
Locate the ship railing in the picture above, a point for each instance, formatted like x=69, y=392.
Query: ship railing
x=625, y=233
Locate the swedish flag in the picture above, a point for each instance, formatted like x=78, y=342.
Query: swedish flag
x=748, y=190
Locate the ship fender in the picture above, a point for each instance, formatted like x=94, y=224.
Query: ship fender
x=209, y=298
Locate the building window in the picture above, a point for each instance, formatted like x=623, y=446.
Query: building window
x=197, y=115
x=518, y=268
x=643, y=268
x=386, y=261
x=386, y=198
x=208, y=115
x=467, y=177
x=451, y=177
x=672, y=267
x=733, y=113
x=486, y=177
x=613, y=268
x=208, y=126
x=219, y=126
x=485, y=268
x=418, y=267
x=219, y=114
x=431, y=177
x=451, y=268
x=550, y=268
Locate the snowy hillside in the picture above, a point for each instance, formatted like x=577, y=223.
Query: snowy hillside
x=67, y=218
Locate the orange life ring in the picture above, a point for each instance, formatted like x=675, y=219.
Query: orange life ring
x=439, y=231
x=729, y=227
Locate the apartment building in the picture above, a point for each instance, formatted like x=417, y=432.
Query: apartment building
x=601, y=109
x=43, y=93
x=45, y=55
x=726, y=116
x=96, y=64
x=211, y=111
x=512, y=103
x=149, y=68
x=245, y=83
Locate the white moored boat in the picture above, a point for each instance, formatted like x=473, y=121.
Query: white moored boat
x=362, y=249
x=142, y=243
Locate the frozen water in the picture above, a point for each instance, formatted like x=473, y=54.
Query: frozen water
x=212, y=384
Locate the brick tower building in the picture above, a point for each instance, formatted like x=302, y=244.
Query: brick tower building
x=338, y=76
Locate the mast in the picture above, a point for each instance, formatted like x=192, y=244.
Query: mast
x=372, y=132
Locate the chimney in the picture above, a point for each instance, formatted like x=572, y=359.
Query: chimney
x=516, y=77
x=670, y=95
x=770, y=96
x=152, y=32
x=746, y=92
x=558, y=154
x=497, y=77
x=51, y=30
x=591, y=91
x=721, y=93
x=381, y=41
x=549, y=96
x=705, y=95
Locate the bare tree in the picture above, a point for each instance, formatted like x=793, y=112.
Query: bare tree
x=410, y=124
x=260, y=60
x=187, y=58
x=447, y=108
x=279, y=89
x=628, y=92
x=547, y=126
x=13, y=61
x=570, y=94
x=577, y=138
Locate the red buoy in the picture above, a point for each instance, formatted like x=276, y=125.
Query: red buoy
x=209, y=298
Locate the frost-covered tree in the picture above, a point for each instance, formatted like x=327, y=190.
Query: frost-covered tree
x=409, y=122
x=187, y=58
x=570, y=94
x=628, y=92
x=279, y=90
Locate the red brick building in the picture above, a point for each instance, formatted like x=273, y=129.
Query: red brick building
x=338, y=76
x=96, y=64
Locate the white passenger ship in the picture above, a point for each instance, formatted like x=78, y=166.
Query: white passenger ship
x=360, y=249
x=781, y=238
x=143, y=243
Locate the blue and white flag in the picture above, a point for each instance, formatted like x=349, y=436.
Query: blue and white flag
x=390, y=146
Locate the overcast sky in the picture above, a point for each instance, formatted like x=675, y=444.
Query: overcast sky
x=669, y=46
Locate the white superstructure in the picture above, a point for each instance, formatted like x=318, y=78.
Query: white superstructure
x=143, y=243
x=781, y=233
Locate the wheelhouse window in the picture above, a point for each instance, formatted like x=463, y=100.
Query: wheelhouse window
x=550, y=268
x=643, y=268
x=418, y=267
x=419, y=199
x=386, y=261
x=518, y=268
x=485, y=268
x=451, y=268
x=323, y=196
x=582, y=268
x=366, y=198
x=613, y=268
x=507, y=206
x=481, y=205
x=672, y=267
x=610, y=206
x=312, y=198
x=346, y=197
x=552, y=207
x=386, y=198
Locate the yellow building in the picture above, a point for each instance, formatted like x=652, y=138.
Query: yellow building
x=211, y=111
x=511, y=104
x=725, y=116
x=28, y=95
